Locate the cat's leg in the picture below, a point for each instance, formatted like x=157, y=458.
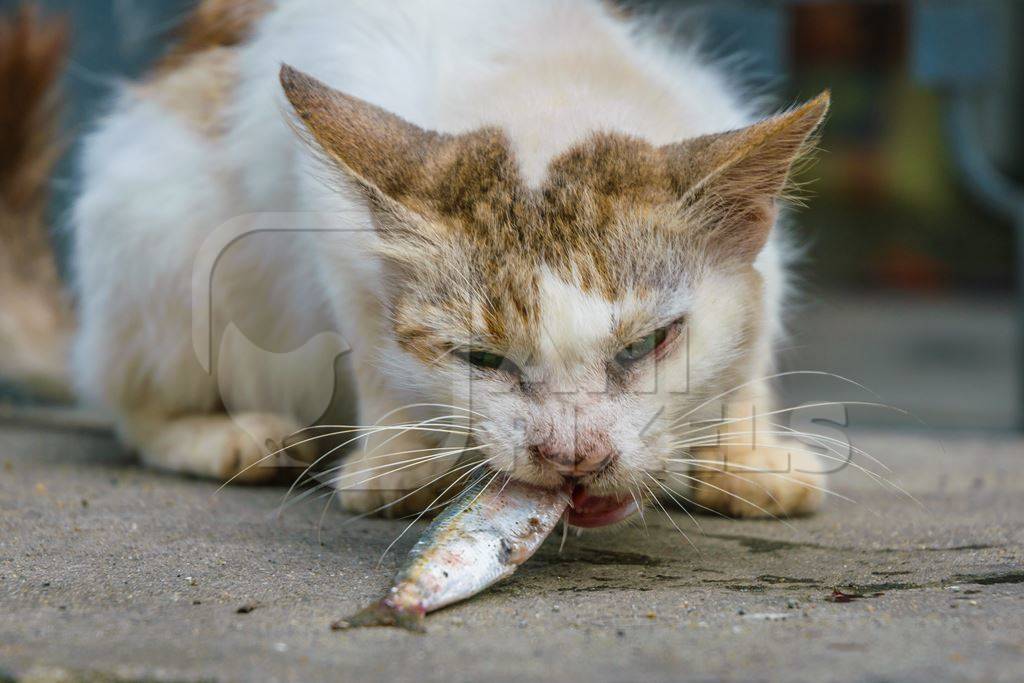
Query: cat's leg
x=398, y=481
x=154, y=191
x=397, y=469
x=773, y=479
x=243, y=448
x=748, y=470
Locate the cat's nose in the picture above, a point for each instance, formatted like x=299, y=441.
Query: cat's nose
x=574, y=460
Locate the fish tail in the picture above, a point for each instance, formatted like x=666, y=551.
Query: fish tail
x=384, y=613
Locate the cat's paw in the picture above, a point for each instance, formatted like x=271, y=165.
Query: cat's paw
x=248, y=447
x=242, y=448
x=768, y=482
x=391, y=487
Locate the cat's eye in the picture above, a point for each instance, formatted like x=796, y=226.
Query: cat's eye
x=642, y=348
x=486, y=360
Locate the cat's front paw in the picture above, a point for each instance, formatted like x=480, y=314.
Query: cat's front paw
x=248, y=449
x=392, y=487
x=243, y=448
x=768, y=482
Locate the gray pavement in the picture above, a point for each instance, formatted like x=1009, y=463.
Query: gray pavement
x=111, y=572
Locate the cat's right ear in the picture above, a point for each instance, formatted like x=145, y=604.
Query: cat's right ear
x=384, y=155
x=375, y=146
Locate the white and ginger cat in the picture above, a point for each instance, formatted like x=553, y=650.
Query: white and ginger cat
x=538, y=229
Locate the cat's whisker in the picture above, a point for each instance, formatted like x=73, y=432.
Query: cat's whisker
x=368, y=455
x=324, y=476
x=410, y=406
x=421, y=426
x=637, y=500
x=420, y=515
x=448, y=406
x=671, y=520
x=308, y=475
x=672, y=496
x=416, y=461
x=742, y=441
x=473, y=465
x=734, y=495
x=317, y=461
x=444, y=503
x=832, y=455
x=779, y=411
x=503, y=485
x=484, y=488
x=878, y=479
x=837, y=442
x=379, y=456
x=333, y=483
x=715, y=466
x=385, y=442
x=351, y=429
x=777, y=375
x=394, y=502
x=279, y=451
x=334, y=450
x=431, y=451
x=283, y=449
x=821, y=440
x=698, y=505
x=731, y=443
x=761, y=486
x=431, y=425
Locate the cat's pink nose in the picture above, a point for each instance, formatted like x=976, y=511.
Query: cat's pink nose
x=585, y=458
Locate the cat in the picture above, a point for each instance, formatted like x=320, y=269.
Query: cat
x=542, y=241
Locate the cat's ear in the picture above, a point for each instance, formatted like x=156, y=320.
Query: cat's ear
x=730, y=183
x=375, y=146
x=381, y=153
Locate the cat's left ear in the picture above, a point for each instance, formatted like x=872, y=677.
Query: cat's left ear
x=730, y=183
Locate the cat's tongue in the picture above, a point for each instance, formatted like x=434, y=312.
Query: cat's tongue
x=593, y=511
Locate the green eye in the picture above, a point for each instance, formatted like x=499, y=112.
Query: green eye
x=486, y=360
x=642, y=348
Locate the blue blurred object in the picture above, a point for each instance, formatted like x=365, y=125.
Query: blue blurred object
x=111, y=40
x=954, y=43
x=955, y=50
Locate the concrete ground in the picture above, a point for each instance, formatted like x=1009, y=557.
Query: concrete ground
x=946, y=359
x=111, y=572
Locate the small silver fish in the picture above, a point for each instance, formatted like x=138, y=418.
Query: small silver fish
x=481, y=538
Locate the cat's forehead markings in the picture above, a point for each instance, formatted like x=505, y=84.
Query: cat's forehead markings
x=572, y=223
x=614, y=166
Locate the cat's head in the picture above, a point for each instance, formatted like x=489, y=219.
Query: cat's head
x=580, y=321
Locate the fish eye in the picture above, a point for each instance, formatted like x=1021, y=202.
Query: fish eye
x=645, y=346
x=486, y=360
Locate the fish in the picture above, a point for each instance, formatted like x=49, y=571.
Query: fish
x=479, y=539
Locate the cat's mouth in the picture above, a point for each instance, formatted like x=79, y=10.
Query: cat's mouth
x=590, y=511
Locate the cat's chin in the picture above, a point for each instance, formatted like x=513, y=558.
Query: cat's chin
x=590, y=511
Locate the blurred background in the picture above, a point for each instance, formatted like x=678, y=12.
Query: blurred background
x=911, y=236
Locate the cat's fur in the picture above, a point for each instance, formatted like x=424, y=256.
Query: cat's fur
x=538, y=178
